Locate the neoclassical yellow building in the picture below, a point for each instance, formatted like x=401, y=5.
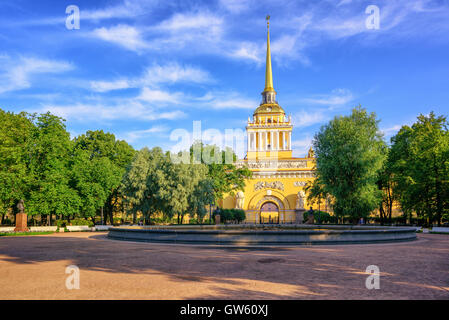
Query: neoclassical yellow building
x=275, y=193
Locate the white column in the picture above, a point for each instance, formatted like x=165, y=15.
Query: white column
x=271, y=140
x=289, y=140
x=283, y=139
x=279, y=140
x=265, y=141
x=275, y=141
x=259, y=133
x=253, y=141
x=250, y=141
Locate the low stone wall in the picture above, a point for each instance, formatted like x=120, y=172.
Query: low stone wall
x=440, y=229
x=43, y=228
x=102, y=228
x=55, y=228
x=32, y=229
x=261, y=235
x=79, y=228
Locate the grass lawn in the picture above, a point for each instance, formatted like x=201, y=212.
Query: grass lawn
x=13, y=234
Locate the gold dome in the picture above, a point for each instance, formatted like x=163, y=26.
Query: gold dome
x=268, y=108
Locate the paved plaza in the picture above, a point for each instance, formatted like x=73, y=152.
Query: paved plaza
x=34, y=267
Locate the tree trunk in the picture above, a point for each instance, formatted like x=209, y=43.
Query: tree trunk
x=102, y=217
x=438, y=193
x=3, y=218
x=382, y=214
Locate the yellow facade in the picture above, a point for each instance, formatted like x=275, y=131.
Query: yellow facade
x=275, y=193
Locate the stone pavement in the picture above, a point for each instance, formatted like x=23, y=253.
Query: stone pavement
x=33, y=267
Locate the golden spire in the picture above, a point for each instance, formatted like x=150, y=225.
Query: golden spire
x=268, y=72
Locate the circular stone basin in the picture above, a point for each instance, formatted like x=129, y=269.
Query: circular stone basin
x=248, y=235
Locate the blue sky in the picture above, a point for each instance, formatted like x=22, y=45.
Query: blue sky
x=141, y=69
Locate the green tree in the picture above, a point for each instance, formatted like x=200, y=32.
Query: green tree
x=15, y=131
x=49, y=149
x=226, y=177
x=350, y=152
x=107, y=160
x=201, y=193
x=315, y=192
x=420, y=165
x=94, y=179
x=143, y=182
x=202, y=196
x=386, y=185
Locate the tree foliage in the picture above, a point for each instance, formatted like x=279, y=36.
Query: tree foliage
x=54, y=174
x=225, y=176
x=103, y=161
x=350, y=152
x=14, y=136
x=154, y=183
x=49, y=156
x=419, y=161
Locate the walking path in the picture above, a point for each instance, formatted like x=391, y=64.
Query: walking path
x=34, y=267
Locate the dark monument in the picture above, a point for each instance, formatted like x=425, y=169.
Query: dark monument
x=310, y=216
x=21, y=218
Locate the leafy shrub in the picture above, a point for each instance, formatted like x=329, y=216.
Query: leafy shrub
x=7, y=222
x=117, y=221
x=230, y=215
x=239, y=215
x=320, y=216
x=325, y=217
x=193, y=221
x=81, y=222
x=62, y=223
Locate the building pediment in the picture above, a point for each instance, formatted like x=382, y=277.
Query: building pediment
x=272, y=164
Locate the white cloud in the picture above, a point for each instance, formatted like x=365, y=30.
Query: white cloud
x=16, y=74
x=226, y=100
x=302, y=146
x=307, y=119
x=132, y=136
x=173, y=72
x=160, y=96
x=336, y=97
x=389, y=132
x=104, y=86
x=126, y=36
x=127, y=9
x=181, y=22
x=103, y=112
x=236, y=6
x=249, y=51
x=169, y=73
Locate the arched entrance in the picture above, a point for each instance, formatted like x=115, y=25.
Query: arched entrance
x=269, y=213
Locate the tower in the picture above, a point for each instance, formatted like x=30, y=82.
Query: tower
x=270, y=131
